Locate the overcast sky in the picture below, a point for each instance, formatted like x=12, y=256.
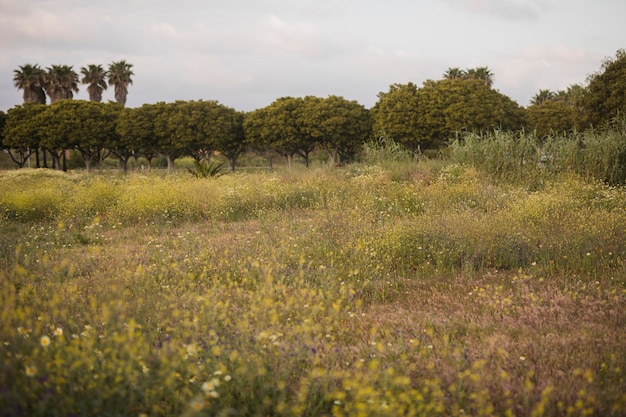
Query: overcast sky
x=247, y=53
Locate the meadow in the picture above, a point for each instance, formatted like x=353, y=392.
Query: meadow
x=405, y=288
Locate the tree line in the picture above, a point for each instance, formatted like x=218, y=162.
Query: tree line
x=419, y=118
x=60, y=82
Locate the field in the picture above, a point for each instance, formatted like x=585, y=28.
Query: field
x=407, y=289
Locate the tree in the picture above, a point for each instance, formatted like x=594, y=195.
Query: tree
x=175, y=130
x=338, y=125
x=95, y=77
x=449, y=106
x=90, y=127
x=542, y=96
x=135, y=128
x=60, y=82
x=454, y=74
x=120, y=76
x=605, y=96
x=53, y=133
x=278, y=127
x=30, y=79
x=224, y=130
x=21, y=136
x=555, y=112
x=480, y=73
x=397, y=113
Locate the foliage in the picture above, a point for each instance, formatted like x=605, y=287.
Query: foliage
x=605, y=96
x=596, y=155
x=95, y=77
x=430, y=116
x=398, y=112
x=31, y=79
x=21, y=134
x=279, y=127
x=337, y=125
x=120, y=76
x=60, y=82
x=556, y=112
x=204, y=170
x=310, y=293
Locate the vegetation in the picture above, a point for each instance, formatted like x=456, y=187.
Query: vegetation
x=344, y=292
x=120, y=75
x=422, y=119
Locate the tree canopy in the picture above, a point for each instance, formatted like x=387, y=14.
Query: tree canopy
x=605, y=96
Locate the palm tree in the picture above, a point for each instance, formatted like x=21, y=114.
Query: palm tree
x=61, y=81
x=120, y=76
x=454, y=74
x=94, y=76
x=481, y=73
x=542, y=96
x=30, y=78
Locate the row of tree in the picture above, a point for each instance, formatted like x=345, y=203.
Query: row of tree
x=60, y=82
x=419, y=118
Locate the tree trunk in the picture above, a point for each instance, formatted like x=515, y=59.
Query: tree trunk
x=170, y=163
x=332, y=156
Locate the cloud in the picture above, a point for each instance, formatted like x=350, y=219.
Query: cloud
x=300, y=38
x=524, y=72
x=505, y=9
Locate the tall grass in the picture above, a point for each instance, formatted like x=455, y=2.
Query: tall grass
x=599, y=155
x=343, y=292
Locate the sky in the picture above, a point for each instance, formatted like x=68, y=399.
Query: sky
x=248, y=53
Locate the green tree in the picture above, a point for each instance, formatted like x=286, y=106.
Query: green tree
x=454, y=73
x=397, y=113
x=555, y=112
x=180, y=129
x=483, y=74
x=120, y=75
x=279, y=128
x=135, y=128
x=76, y=124
x=21, y=135
x=30, y=79
x=54, y=131
x=60, y=82
x=605, y=96
x=337, y=125
x=543, y=96
x=95, y=78
x=225, y=128
x=450, y=106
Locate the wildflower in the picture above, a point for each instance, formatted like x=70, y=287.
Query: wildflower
x=192, y=349
x=197, y=404
x=209, y=386
x=31, y=371
x=45, y=341
x=22, y=331
x=213, y=394
x=227, y=378
x=58, y=332
x=522, y=358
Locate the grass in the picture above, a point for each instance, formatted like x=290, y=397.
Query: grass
x=403, y=289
